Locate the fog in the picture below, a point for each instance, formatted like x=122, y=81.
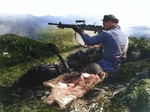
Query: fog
x=28, y=25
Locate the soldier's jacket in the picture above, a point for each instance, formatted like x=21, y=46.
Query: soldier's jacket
x=68, y=87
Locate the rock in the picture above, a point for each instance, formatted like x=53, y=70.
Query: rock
x=39, y=93
x=26, y=96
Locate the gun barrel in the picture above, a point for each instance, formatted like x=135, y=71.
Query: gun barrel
x=53, y=23
x=60, y=25
x=81, y=26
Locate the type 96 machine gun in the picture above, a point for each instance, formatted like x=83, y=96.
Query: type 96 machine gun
x=83, y=26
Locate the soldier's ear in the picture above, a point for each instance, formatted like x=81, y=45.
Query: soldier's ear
x=102, y=75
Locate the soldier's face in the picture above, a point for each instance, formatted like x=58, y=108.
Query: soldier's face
x=105, y=25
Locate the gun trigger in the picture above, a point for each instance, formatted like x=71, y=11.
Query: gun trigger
x=60, y=27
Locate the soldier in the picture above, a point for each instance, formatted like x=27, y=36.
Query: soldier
x=113, y=39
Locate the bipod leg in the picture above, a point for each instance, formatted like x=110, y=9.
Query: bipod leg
x=65, y=65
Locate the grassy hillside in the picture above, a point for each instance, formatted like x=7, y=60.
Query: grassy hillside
x=15, y=49
x=63, y=38
x=18, y=55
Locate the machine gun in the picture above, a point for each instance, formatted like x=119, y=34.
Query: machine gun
x=83, y=26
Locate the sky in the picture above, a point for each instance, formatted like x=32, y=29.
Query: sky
x=129, y=12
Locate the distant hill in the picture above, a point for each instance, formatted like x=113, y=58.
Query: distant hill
x=31, y=26
x=26, y=25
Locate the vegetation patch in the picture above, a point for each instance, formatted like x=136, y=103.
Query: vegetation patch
x=127, y=90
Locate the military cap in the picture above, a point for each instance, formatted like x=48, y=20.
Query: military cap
x=110, y=17
x=94, y=68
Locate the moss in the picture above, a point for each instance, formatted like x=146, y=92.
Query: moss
x=137, y=95
x=131, y=70
x=139, y=49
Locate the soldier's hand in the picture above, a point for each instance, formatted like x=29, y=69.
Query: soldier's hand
x=77, y=29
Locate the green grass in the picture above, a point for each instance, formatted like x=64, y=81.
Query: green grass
x=11, y=103
x=24, y=52
x=62, y=38
x=21, y=50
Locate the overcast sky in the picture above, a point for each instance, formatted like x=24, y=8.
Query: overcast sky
x=129, y=12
